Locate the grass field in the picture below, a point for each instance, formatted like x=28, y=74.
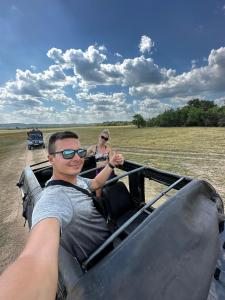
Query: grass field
x=201, y=140
x=9, y=140
x=195, y=152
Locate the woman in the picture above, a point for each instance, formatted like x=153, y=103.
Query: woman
x=102, y=152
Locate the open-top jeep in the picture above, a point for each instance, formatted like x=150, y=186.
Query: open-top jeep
x=166, y=247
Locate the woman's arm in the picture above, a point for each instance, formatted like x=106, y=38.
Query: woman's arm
x=91, y=150
x=34, y=274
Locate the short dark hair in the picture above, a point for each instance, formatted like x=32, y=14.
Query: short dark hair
x=60, y=136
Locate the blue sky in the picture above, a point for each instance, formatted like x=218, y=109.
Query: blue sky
x=82, y=61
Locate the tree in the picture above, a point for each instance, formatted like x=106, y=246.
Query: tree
x=138, y=121
x=195, y=113
x=195, y=117
x=203, y=104
x=212, y=117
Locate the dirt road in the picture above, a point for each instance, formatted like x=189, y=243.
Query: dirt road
x=13, y=234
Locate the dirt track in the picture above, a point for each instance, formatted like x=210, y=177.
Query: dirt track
x=13, y=234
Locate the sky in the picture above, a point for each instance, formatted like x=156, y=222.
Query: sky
x=87, y=61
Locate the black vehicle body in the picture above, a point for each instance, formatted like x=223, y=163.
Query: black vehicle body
x=35, y=139
x=172, y=251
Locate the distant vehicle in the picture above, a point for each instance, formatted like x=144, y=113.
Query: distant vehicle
x=35, y=139
x=168, y=247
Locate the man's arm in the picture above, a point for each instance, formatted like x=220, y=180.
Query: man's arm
x=34, y=274
x=116, y=160
x=110, y=152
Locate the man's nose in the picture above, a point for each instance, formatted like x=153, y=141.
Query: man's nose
x=76, y=156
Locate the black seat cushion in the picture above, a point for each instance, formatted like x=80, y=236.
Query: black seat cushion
x=116, y=198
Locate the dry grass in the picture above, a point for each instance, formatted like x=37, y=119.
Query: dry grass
x=200, y=140
x=194, y=152
x=9, y=139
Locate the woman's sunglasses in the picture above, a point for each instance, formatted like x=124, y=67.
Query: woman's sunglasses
x=69, y=153
x=104, y=138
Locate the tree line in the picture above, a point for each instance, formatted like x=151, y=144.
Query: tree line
x=196, y=113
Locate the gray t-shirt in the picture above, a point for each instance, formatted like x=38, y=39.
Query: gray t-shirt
x=83, y=229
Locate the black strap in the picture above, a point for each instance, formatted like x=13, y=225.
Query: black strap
x=68, y=184
x=96, y=201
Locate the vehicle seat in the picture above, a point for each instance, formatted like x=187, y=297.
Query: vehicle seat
x=43, y=176
x=118, y=204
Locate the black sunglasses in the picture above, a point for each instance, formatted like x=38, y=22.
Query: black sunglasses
x=104, y=138
x=69, y=153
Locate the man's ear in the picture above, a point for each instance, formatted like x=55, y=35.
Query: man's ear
x=50, y=158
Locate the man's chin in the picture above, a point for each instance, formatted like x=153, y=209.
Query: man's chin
x=76, y=170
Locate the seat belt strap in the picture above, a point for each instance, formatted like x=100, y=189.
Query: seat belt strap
x=97, y=203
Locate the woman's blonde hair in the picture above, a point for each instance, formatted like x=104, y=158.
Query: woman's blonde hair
x=105, y=131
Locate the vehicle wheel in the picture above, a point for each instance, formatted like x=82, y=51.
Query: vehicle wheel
x=43, y=146
x=28, y=147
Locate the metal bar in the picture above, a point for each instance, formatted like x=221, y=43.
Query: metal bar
x=121, y=176
x=128, y=222
x=147, y=211
x=88, y=171
x=42, y=162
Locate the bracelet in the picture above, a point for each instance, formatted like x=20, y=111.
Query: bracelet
x=111, y=166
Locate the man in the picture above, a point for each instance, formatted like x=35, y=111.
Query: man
x=62, y=210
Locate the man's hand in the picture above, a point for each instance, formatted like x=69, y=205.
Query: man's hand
x=117, y=159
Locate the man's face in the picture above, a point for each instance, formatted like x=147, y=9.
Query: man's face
x=66, y=167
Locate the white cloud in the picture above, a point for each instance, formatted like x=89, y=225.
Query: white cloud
x=194, y=63
x=102, y=98
x=152, y=107
x=220, y=101
x=118, y=55
x=107, y=106
x=136, y=72
x=210, y=78
x=146, y=44
x=56, y=55
x=29, y=115
x=143, y=86
x=58, y=95
x=86, y=64
x=33, y=68
x=36, y=84
x=102, y=48
x=90, y=68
